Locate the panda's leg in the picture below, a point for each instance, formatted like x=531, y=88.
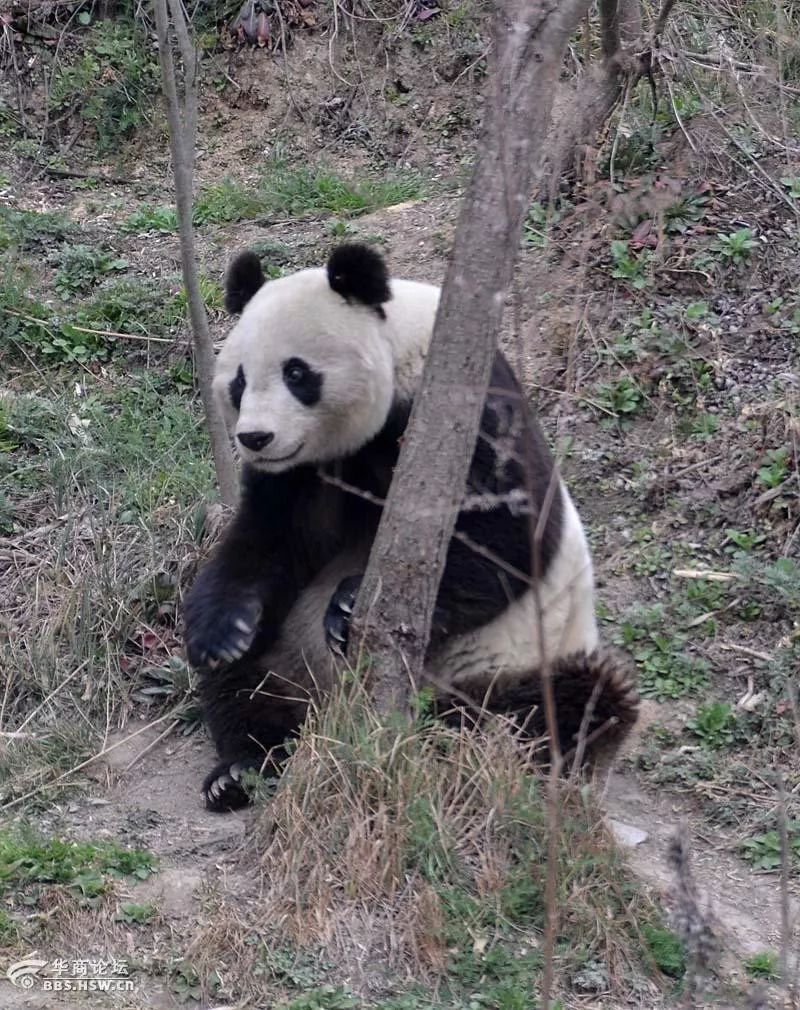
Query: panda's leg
x=250, y=719
x=253, y=706
x=243, y=592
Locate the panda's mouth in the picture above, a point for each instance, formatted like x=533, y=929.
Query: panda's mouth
x=269, y=460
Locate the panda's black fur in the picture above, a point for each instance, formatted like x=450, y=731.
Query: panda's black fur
x=300, y=539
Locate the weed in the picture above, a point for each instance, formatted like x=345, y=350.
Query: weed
x=339, y=229
x=28, y=229
x=211, y=292
x=714, y=725
x=131, y=306
x=186, y=985
x=226, y=201
x=666, y=671
x=666, y=949
x=161, y=219
x=792, y=184
x=776, y=468
x=28, y=861
x=763, y=852
x=327, y=997
x=763, y=965
x=112, y=83
x=623, y=399
x=80, y=267
x=736, y=247
x=540, y=218
x=629, y=266
x=25, y=319
x=704, y=427
x=685, y=213
x=291, y=190
x=135, y=914
x=745, y=540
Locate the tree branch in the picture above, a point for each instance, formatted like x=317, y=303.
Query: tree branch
x=182, y=145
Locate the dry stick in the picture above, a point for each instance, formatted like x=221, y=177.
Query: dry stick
x=410, y=549
x=786, y=856
x=182, y=137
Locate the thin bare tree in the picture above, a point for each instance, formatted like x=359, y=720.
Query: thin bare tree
x=395, y=605
x=182, y=118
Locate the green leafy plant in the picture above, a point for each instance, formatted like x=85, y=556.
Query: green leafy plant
x=792, y=184
x=139, y=915
x=763, y=965
x=714, y=725
x=161, y=219
x=666, y=949
x=28, y=860
x=705, y=426
x=327, y=997
x=666, y=669
x=81, y=267
x=111, y=83
x=776, y=468
x=286, y=188
x=226, y=201
x=745, y=540
x=622, y=398
x=763, y=852
x=737, y=246
x=629, y=266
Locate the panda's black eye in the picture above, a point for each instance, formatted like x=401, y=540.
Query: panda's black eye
x=302, y=381
x=236, y=388
x=295, y=373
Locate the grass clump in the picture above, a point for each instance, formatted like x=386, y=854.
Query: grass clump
x=305, y=190
x=29, y=862
x=111, y=83
x=436, y=838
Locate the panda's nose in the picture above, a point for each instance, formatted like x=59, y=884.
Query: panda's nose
x=255, y=440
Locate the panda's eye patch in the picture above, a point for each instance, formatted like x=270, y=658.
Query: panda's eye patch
x=302, y=381
x=236, y=388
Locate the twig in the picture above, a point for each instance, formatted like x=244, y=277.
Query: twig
x=151, y=745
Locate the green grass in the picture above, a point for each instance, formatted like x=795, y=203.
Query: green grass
x=31, y=231
x=284, y=190
x=305, y=190
x=30, y=862
x=115, y=473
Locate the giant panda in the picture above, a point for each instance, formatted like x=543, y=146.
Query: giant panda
x=316, y=382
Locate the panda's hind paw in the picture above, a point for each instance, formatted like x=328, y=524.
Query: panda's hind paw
x=223, y=788
x=339, y=612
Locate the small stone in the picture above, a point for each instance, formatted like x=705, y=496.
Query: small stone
x=627, y=834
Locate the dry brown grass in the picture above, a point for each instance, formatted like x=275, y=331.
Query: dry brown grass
x=398, y=849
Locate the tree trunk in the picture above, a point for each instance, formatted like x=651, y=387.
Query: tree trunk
x=396, y=601
x=182, y=129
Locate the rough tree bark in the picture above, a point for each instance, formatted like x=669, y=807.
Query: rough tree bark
x=395, y=605
x=182, y=134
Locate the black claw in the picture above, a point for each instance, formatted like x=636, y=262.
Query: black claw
x=214, y=619
x=339, y=612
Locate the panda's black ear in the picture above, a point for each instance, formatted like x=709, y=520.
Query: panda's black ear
x=357, y=271
x=245, y=277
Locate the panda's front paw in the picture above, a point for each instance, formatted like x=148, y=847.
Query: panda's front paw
x=223, y=788
x=339, y=612
x=219, y=625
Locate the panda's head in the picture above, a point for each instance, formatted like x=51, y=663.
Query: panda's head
x=306, y=374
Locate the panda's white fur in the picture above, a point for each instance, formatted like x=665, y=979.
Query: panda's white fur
x=369, y=352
